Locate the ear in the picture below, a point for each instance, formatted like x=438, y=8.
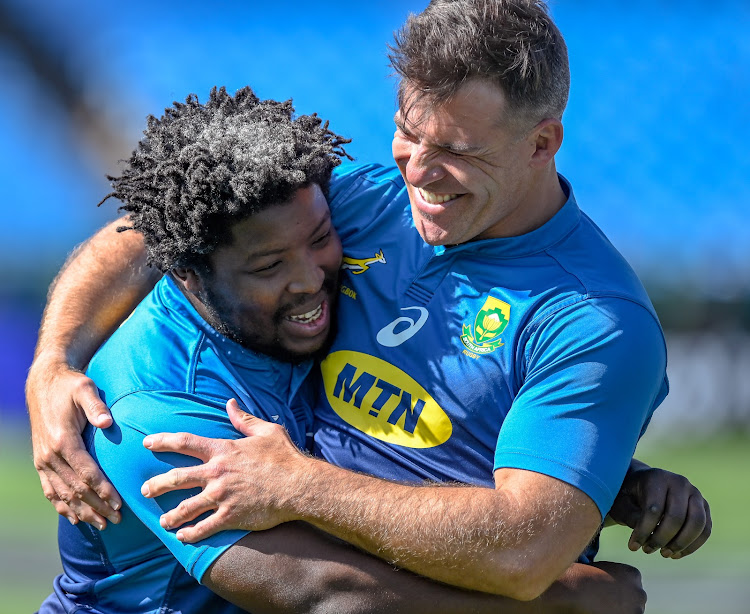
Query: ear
x=547, y=136
x=189, y=279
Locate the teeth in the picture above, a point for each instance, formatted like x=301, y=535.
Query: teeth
x=309, y=316
x=436, y=199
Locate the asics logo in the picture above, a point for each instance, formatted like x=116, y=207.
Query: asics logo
x=390, y=338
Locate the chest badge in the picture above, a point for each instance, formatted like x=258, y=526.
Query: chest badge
x=359, y=265
x=484, y=336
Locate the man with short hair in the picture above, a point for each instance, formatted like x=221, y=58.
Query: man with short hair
x=510, y=338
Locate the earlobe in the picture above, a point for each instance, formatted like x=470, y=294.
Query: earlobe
x=549, y=136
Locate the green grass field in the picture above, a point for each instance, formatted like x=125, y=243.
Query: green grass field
x=715, y=580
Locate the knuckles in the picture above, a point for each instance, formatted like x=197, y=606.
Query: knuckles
x=79, y=490
x=174, y=477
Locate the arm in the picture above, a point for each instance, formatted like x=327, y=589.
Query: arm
x=508, y=540
x=103, y=280
x=294, y=568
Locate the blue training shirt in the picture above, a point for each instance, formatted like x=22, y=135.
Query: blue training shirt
x=166, y=370
x=539, y=352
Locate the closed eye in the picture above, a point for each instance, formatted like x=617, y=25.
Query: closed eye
x=266, y=269
x=323, y=239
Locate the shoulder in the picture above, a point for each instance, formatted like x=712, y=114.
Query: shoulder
x=365, y=195
x=607, y=344
x=156, y=348
x=371, y=182
x=588, y=257
x=348, y=178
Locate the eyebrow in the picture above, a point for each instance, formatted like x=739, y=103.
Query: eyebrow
x=271, y=252
x=459, y=148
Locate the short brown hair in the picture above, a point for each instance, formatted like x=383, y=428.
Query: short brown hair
x=512, y=43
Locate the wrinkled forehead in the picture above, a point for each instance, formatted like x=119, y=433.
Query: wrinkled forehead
x=475, y=101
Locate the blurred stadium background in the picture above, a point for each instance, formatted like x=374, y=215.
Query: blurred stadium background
x=654, y=147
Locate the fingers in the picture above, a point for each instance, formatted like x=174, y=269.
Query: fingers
x=240, y=419
x=182, y=443
x=677, y=547
x=65, y=492
x=98, y=493
x=649, y=520
x=188, y=509
x=74, y=484
x=679, y=527
x=676, y=515
x=677, y=522
x=86, y=396
x=60, y=507
x=203, y=529
x=179, y=478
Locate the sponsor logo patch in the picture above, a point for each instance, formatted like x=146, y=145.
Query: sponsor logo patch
x=381, y=400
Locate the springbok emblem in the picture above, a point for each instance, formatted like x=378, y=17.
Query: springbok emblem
x=359, y=265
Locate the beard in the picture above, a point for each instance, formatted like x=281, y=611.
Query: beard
x=219, y=312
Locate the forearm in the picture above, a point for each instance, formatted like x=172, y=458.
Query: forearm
x=294, y=568
x=100, y=284
x=492, y=540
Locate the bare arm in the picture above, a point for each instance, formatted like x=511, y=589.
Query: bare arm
x=100, y=284
x=295, y=568
x=514, y=540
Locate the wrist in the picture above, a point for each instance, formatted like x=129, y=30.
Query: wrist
x=637, y=466
x=49, y=363
x=308, y=490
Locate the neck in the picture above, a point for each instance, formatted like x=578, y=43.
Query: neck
x=550, y=195
x=536, y=206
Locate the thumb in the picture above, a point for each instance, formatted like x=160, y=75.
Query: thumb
x=87, y=398
x=240, y=419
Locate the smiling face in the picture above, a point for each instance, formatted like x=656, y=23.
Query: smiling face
x=469, y=172
x=273, y=288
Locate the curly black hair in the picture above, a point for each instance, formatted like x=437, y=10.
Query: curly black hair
x=200, y=168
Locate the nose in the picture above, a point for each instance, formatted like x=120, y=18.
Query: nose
x=307, y=277
x=423, y=166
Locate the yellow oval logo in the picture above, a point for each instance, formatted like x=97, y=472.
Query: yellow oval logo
x=381, y=400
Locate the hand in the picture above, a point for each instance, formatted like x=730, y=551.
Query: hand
x=665, y=510
x=246, y=481
x=601, y=588
x=60, y=401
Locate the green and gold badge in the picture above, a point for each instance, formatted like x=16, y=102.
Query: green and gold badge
x=489, y=324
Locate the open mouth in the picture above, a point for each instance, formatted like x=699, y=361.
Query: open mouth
x=310, y=323
x=308, y=317
x=433, y=198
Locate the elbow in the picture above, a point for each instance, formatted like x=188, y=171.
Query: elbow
x=527, y=590
x=520, y=577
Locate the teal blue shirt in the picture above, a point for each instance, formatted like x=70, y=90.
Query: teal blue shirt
x=166, y=370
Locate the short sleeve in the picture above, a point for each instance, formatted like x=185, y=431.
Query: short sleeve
x=594, y=373
x=120, y=452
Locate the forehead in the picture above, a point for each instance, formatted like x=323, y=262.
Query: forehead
x=477, y=107
x=280, y=227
